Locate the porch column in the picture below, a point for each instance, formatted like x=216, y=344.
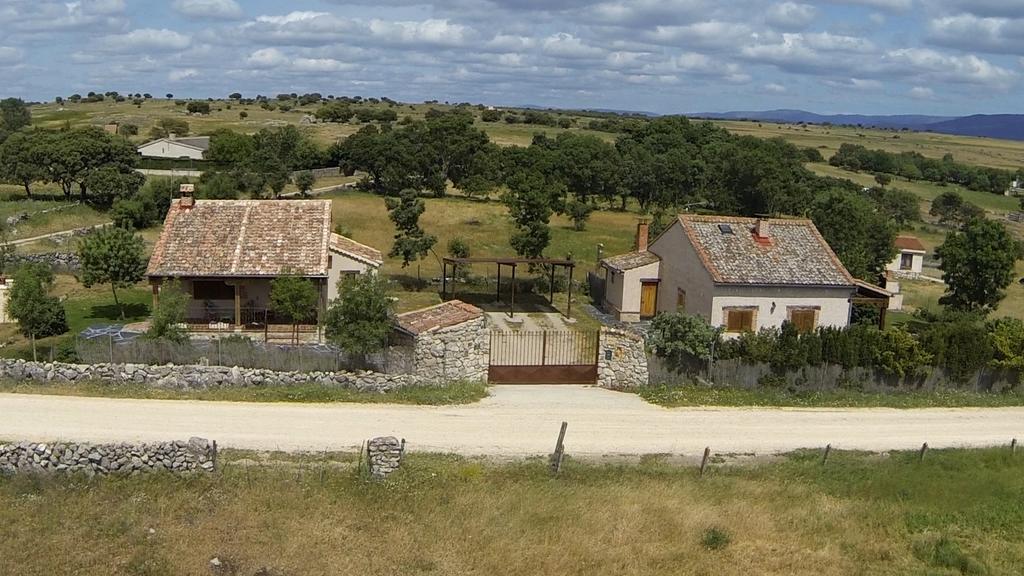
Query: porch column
x=155, y=284
x=238, y=304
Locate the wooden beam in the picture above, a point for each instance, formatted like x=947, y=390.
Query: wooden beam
x=238, y=304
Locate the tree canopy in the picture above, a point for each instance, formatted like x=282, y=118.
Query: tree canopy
x=977, y=265
x=112, y=255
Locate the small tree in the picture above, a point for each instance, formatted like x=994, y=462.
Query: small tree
x=112, y=255
x=198, y=107
x=411, y=242
x=304, y=181
x=579, y=212
x=38, y=313
x=977, y=265
x=883, y=180
x=169, y=314
x=458, y=248
x=296, y=298
x=679, y=337
x=362, y=316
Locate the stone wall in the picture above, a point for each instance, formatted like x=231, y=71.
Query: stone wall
x=385, y=455
x=453, y=353
x=59, y=260
x=196, y=455
x=621, y=360
x=196, y=377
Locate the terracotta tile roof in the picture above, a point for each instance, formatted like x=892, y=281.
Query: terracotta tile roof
x=909, y=243
x=796, y=254
x=243, y=238
x=353, y=249
x=630, y=260
x=441, y=315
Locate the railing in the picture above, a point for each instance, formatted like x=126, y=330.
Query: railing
x=251, y=316
x=543, y=348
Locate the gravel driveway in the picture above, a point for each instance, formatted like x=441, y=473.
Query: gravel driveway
x=514, y=421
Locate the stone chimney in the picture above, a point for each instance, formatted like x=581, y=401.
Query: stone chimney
x=172, y=136
x=188, y=199
x=643, y=227
x=762, y=229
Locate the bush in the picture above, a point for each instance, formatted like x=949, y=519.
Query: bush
x=681, y=338
x=715, y=538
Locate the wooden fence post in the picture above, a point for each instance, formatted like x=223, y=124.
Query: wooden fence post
x=828, y=450
x=704, y=460
x=1013, y=446
x=556, y=458
x=924, y=448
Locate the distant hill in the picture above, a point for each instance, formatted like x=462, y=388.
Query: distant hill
x=1006, y=126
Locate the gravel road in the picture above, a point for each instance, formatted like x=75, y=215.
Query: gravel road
x=514, y=421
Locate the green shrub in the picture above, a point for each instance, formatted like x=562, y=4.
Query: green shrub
x=943, y=552
x=679, y=337
x=715, y=538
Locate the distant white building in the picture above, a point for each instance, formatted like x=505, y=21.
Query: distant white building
x=194, y=147
x=910, y=258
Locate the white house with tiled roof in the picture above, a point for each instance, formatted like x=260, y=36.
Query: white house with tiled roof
x=225, y=254
x=742, y=274
x=194, y=147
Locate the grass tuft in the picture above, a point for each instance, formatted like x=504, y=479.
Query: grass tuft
x=715, y=538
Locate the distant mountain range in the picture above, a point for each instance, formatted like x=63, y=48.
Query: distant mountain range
x=1006, y=126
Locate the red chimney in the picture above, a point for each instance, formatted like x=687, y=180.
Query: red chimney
x=642, y=229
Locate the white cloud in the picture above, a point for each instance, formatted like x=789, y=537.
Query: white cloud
x=182, y=74
x=775, y=88
x=969, y=32
x=887, y=5
x=855, y=84
x=266, y=58
x=427, y=32
x=934, y=65
x=10, y=55
x=223, y=9
x=319, y=65
x=922, y=93
x=564, y=45
x=709, y=34
x=146, y=39
x=790, y=16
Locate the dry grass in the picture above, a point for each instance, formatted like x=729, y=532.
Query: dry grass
x=969, y=149
x=861, y=514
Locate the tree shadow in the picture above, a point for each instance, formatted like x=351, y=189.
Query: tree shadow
x=132, y=310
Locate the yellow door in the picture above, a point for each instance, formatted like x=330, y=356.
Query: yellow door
x=648, y=299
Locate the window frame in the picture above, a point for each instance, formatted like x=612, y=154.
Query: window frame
x=906, y=261
x=727, y=311
x=814, y=310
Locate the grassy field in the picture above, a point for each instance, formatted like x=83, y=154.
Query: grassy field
x=43, y=216
x=957, y=512
x=676, y=396
x=972, y=150
x=51, y=115
x=456, y=393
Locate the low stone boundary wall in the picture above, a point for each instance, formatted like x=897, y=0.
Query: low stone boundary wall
x=197, y=377
x=196, y=455
x=621, y=359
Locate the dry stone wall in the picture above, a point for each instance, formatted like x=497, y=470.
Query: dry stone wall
x=196, y=455
x=198, y=377
x=454, y=353
x=385, y=455
x=622, y=359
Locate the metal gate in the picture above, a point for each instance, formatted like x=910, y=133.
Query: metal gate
x=543, y=357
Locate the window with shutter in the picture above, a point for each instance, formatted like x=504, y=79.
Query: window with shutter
x=739, y=319
x=804, y=319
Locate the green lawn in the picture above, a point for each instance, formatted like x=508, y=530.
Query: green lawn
x=456, y=393
x=691, y=395
x=956, y=512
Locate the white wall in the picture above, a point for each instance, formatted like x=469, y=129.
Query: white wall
x=682, y=268
x=5, y=294
x=773, y=304
x=622, y=290
x=915, y=267
x=341, y=265
x=170, y=149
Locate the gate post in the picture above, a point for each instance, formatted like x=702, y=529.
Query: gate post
x=544, y=348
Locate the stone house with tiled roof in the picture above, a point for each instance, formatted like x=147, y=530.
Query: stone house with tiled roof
x=742, y=274
x=226, y=253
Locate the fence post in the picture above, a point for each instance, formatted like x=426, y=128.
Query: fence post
x=704, y=460
x=544, y=348
x=824, y=459
x=1013, y=446
x=556, y=458
x=924, y=449
x=110, y=345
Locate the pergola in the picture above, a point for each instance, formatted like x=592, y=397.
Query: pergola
x=512, y=263
x=873, y=296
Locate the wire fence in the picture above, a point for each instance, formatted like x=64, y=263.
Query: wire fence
x=244, y=353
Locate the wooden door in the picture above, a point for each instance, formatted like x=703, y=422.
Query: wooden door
x=648, y=299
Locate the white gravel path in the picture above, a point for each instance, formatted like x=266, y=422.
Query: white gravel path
x=514, y=421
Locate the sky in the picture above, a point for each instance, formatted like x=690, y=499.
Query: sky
x=944, y=57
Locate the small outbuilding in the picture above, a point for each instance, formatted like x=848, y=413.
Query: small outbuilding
x=909, y=259
x=193, y=147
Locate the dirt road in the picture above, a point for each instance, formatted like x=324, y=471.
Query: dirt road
x=514, y=421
